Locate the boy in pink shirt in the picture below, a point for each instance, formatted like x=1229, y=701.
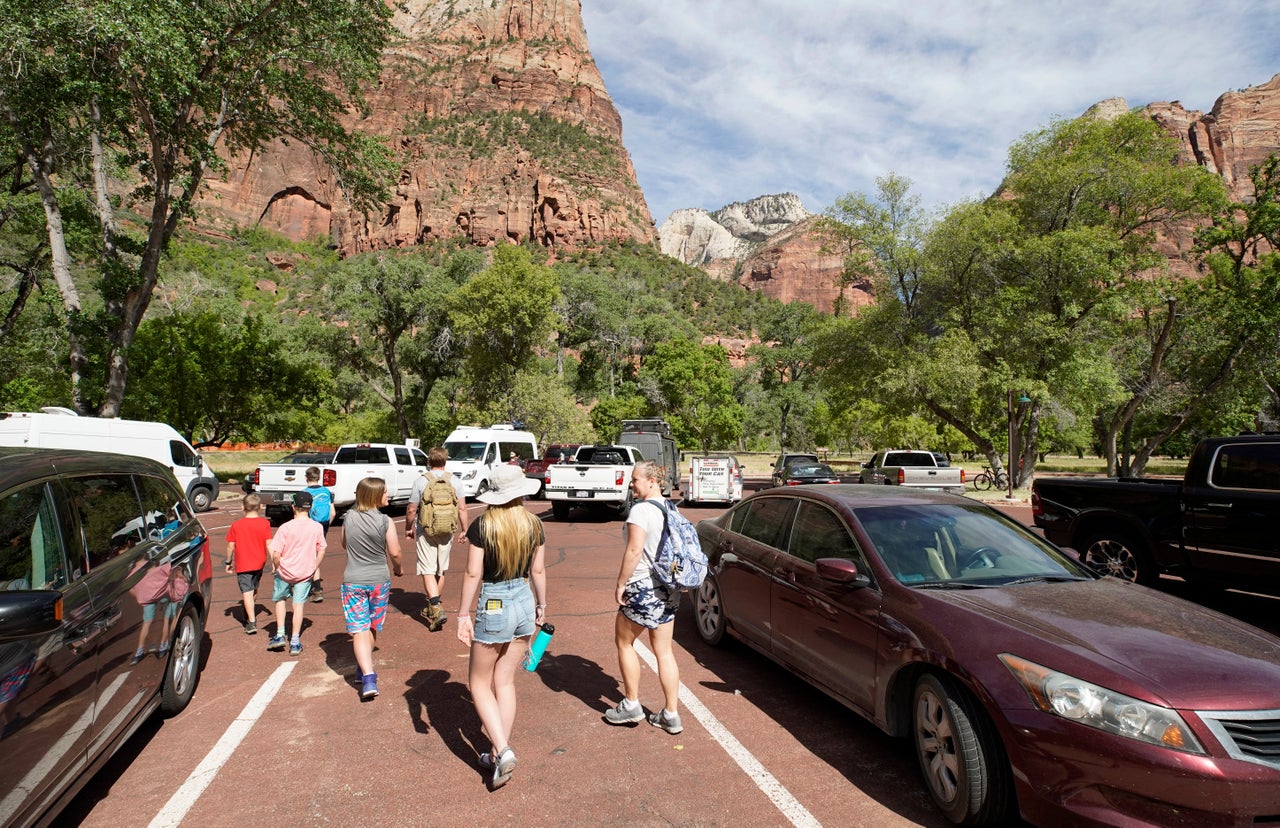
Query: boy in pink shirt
x=296, y=553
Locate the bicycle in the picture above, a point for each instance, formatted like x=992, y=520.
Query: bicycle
x=986, y=479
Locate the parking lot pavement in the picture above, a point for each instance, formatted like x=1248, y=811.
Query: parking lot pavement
x=316, y=753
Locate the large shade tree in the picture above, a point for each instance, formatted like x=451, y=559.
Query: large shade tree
x=119, y=109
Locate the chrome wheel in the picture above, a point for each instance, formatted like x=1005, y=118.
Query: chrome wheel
x=1112, y=558
x=183, y=670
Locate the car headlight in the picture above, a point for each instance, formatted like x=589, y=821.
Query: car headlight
x=1081, y=701
x=469, y=475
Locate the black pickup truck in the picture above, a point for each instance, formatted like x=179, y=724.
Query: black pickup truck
x=1220, y=526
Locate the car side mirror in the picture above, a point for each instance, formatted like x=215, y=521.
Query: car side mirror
x=28, y=613
x=1071, y=553
x=866, y=465
x=841, y=571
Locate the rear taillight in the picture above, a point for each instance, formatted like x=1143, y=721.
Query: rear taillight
x=902, y=476
x=257, y=476
x=1037, y=508
x=619, y=478
x=962, y=477
x=330, y=477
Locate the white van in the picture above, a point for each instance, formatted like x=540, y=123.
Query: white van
x=475, y=452
x=60, y=428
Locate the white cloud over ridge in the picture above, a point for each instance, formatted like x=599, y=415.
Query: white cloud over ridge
x=725, y=100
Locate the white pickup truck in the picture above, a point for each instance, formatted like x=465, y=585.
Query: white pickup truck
x=597, y=476
x=398, y=465
x=913, y=469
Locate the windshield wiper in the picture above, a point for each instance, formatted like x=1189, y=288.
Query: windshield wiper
x=952, y=585
x=1046, y=579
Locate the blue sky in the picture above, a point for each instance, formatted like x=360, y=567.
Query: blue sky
x=726, y=100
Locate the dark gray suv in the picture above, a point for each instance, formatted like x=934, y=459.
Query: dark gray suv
x=105, y=581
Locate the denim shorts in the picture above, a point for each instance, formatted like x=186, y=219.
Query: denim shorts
x=283, y=590
x=504, y=612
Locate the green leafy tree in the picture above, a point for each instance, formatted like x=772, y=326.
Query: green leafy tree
x=504, y=316
x=213, y=378
x=784, y=361
x=1023, y=292
x=105, y=93
x=392, y=311
x=691, y=385
x=607, y=415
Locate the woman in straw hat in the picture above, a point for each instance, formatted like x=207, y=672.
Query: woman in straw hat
x=506, y=585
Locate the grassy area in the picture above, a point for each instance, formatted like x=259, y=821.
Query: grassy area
x=234, y=466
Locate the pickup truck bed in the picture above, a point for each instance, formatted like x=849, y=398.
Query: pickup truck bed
x=598, y=476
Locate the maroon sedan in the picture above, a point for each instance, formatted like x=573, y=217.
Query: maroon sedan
x=1028, y=683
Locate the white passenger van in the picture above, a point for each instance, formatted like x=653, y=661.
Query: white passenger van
x=475, y=452
x=60, y=428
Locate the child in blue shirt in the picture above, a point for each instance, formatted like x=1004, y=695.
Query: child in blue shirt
x=322, y=513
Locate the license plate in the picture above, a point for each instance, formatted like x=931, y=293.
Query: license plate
x=583, y=494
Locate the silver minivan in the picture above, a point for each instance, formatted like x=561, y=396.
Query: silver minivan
x=105, y=583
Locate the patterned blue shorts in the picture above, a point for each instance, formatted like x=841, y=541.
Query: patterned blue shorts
x=648, y=605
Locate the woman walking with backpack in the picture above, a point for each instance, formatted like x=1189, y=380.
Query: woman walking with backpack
x=505, y=584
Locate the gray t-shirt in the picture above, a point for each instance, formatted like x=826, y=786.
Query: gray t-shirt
x=366, y=535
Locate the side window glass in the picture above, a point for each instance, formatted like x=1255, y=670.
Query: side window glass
x=768, y=520
x=30, y=542
x=403, y=457
x=182, y=455
x=819, y=533
x=491, y=453
x=163, y=507
x=1255, y=466
x=111, y=518
x=420, y=458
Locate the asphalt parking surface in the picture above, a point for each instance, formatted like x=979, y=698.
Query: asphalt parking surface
x=766, y=748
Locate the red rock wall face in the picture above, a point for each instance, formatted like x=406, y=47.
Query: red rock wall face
x=793, y=267
x=463, y=63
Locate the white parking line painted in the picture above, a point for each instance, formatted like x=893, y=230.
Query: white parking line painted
x=176, y=808
x=768, y=784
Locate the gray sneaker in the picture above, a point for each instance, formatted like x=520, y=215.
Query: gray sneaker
x=627, y=712
x=666, y=720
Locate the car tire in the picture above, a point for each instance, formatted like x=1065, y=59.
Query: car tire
x=182, y=672
x=201, y=499
x=559, y=509
x=1118, y=554
x=708, y=612
x=964, y=765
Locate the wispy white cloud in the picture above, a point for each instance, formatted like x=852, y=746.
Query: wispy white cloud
x=724, y=100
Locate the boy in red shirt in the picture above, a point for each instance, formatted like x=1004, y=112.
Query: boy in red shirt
x=247, y=548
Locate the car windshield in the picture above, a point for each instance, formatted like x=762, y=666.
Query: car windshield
x=465, y=451
x=810, y=470
x=944, y=545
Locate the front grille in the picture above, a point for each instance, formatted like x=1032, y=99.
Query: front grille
x=1248, y=735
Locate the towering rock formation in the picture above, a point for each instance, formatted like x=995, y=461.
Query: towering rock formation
x=766, y=244
x=1241, y=130
x=503, y=131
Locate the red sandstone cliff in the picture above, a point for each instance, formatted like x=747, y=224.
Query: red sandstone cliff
x=503, y=128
